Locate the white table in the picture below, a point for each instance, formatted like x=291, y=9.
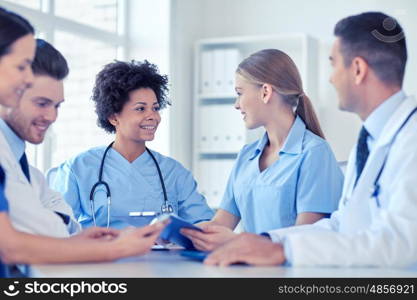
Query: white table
x=171, y=264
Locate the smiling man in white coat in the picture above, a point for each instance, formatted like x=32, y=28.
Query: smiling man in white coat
x=376, y=223
x=33, y=207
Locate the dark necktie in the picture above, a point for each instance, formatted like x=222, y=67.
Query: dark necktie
x=362, y=152
x=25, y=166
x=2, y=177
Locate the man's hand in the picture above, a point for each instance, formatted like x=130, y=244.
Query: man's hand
x=248, y=248
x=212, y=236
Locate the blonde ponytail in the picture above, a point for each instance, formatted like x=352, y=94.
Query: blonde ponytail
x=306, y=112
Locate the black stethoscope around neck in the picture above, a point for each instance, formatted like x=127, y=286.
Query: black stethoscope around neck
x=376, y=188
x=165, y=207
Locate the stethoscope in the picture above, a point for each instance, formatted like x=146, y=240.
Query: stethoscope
x=166, y=208
x=376, y=188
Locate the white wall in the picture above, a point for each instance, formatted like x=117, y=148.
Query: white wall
x=186, y=27
x=148, y=33
x=195, y=19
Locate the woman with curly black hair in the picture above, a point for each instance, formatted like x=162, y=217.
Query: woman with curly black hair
x=128, y=97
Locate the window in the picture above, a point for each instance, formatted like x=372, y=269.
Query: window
x=35, y=4
x=101, y=14
x=89, y=34
x=75, y=129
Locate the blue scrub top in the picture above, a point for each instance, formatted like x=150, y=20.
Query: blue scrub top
x=4, y=207
x=305, y=178
x=134, y=187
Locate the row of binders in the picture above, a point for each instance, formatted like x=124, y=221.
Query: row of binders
x=212, y=177
x=218, y=67
x=222, y=129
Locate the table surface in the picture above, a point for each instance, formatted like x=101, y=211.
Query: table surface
x=170, y=264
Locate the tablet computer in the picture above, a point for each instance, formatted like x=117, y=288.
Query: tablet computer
x=172, y=231
x=201, y=256
x=194, y=254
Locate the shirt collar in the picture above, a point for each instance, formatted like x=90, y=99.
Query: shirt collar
x=375, y=122
x=260, y=146
x=293, y=143
x=17, y=145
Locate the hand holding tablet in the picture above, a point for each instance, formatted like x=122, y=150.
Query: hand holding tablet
x=172, y=231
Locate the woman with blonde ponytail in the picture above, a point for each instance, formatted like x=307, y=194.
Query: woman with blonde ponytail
x=290, y=176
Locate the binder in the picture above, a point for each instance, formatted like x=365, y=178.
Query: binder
x=225, y=167
x=220, y=172
x=204, y=179
x=231, y=61
x=218, y=70
x=229, y=125
x=204, y=128
x=238, y=131
x=215, y=128
x=207, y=84
x=214, y=184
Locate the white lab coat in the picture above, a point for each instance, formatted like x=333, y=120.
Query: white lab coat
x=361, y=233
x=32, y=205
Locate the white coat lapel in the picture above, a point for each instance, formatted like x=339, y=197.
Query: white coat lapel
x=397, y=120
x=360, y=203
x=389, y=132
x=9, y=161
x=350, y=174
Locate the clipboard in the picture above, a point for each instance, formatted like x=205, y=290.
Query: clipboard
x=172, y=231
x=137, y=218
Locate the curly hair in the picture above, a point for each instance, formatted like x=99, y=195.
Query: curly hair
x=115, y=82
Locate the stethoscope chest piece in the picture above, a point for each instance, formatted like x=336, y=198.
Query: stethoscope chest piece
x=167, y=208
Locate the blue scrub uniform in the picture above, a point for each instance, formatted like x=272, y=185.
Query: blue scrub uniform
x=4, y=207
x=305, y=178
x=134, y=187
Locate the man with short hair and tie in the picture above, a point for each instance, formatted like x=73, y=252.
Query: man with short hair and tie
x=33, y=207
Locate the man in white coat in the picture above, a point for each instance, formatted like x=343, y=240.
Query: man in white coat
x=33, y=206
x=376, y=223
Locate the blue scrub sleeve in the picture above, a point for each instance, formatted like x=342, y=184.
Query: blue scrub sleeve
x=4, y=205
x=228, y=202
x=65, y=182
x=320, y=181
x=3, y=208
x=192, y=206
